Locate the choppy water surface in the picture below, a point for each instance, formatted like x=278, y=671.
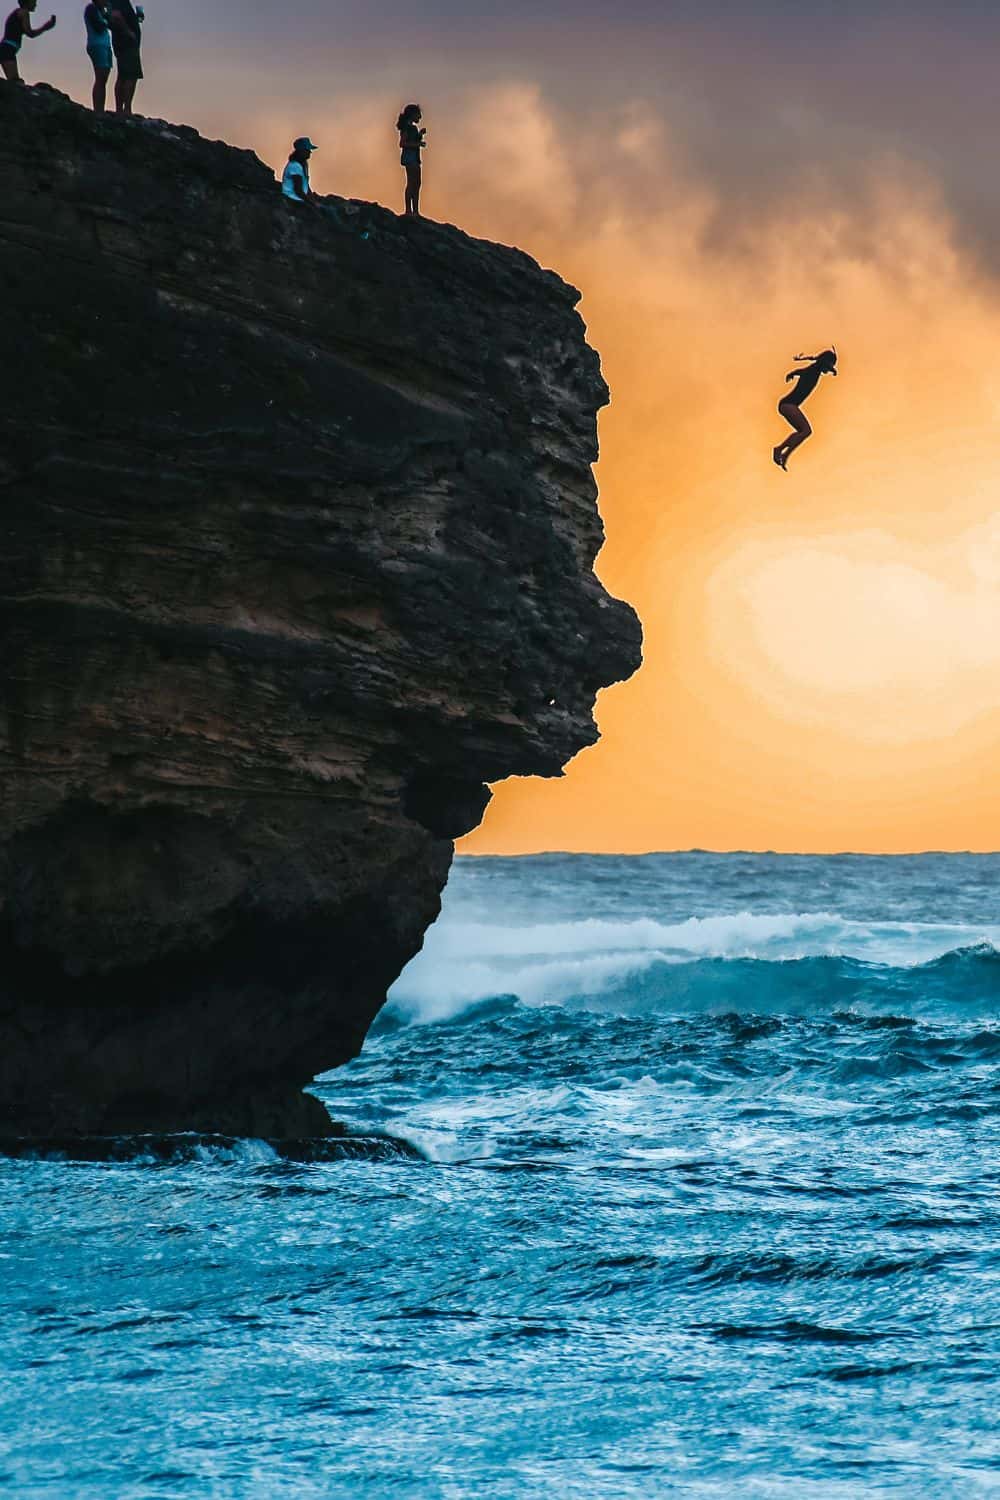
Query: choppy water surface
x=699, y=1193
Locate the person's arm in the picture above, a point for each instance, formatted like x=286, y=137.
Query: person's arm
x=30, y=30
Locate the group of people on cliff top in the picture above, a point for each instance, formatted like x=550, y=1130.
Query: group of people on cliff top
x=412, y=140
x=114, y=35
x=113, y=31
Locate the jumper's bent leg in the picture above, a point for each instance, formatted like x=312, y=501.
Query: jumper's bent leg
x=796, y=419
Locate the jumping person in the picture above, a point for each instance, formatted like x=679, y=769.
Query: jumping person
x=790, y=406
x=295, y=178
x=411, y=143
x=97, y=19
x=16, y=28
x=126, y=42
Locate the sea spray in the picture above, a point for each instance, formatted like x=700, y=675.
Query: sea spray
x=700, y=1194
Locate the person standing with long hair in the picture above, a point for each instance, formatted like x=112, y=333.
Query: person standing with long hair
x=411, y=143
x=16, y=28
x=97, y=19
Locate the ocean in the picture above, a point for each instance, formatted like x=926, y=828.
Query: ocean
x=664, y=1175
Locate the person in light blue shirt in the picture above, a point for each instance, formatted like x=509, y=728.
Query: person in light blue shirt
x=97, y=20
x=295, y=185
x=295, y=178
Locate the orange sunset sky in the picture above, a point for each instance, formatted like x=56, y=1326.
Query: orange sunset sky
x=822, y=647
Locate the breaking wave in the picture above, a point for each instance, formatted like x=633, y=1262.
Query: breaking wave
x=794, y=963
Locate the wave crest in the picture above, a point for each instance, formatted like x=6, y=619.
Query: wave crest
x=744, y=962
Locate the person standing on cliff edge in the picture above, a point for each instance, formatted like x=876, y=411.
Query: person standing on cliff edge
x=97, y=20
x=18, y=25
x=126, y=40
x=411, y=143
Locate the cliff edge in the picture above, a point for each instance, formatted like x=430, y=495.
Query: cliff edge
x=299, y=532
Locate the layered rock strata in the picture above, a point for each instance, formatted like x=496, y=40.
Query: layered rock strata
x=298, y=542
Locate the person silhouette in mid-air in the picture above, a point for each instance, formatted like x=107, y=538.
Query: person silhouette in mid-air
x=790, y=406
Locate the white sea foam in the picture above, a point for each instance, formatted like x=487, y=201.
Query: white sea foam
x=466, y=962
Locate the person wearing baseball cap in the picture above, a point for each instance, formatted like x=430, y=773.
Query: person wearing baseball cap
x=295, y=178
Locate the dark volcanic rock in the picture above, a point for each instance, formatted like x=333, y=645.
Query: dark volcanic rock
x=298, y=544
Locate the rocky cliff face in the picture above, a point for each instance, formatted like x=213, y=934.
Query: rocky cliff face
x=298, y=535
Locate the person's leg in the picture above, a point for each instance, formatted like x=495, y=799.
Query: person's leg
x=413, y=190
x=9, y=66
x=796, y=419
x=100, y=90
x=124, y=94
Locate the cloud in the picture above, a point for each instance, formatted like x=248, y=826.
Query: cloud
x=721, y=207
x=864, y=634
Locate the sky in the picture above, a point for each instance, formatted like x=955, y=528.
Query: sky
x=728, y=184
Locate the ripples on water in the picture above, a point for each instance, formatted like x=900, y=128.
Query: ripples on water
x=674, y=1175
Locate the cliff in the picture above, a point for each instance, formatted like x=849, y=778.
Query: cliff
x=299, y=532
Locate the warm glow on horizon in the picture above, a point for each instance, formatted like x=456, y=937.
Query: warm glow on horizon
x=822, y=646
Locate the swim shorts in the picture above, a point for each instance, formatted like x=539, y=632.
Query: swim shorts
x=129, y=64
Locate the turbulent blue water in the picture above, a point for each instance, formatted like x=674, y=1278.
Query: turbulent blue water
x=685, y=1180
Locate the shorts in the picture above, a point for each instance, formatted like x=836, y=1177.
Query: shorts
x=129, y=64
x=8, y=53
x=410, y=157
x=102, y=57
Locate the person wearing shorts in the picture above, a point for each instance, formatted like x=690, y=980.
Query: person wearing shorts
x=97, y=20
x=411, y=143
x=16, y=27
x=126, y=41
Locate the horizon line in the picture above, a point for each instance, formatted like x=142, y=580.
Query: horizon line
x=774, y=853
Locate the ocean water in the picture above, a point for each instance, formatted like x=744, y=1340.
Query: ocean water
x=666, y=1175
